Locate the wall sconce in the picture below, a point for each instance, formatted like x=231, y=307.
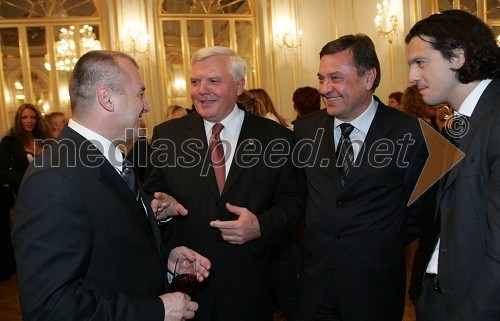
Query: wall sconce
x=498, y=40
x=180, y=87
x=66, y=55
x=134, y=39
x=386, y=21
x=286, y=36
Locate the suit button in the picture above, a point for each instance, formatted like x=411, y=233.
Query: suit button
x=339, y=204
x=329, y=268
x=337, y=237
x=443, y=250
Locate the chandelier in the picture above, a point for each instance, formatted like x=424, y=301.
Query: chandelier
x=65, y=48
x=134, y=39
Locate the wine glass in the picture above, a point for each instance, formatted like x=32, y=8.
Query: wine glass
x=184, y=275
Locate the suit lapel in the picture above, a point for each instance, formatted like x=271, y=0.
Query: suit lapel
x=327, y=148
x=479, y=116
x=250, y=134
x=108, y=175
x=151, y=218
x=379, y=128
x=196, y=129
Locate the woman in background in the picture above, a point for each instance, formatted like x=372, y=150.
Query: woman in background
x=265, y=107
x=306, y=100
x=414, y=105
x=17, y=149
x=175, y=111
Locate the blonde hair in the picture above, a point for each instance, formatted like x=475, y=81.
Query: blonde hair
x=174, y=111
x=264, y=105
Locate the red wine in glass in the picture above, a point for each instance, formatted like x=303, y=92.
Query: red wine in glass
x=184, y=283
x=184, y=275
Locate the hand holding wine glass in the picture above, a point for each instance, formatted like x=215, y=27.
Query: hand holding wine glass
x=199, y=268
x=184, y=275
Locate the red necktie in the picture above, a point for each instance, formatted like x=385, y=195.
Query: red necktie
x=217, y=156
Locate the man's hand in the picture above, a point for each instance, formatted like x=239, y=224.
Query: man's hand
x=178, y=306
x=244, y=229
x=202, y=263
x=164, y=205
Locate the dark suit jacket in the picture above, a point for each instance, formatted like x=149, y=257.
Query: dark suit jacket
x=85, y=248
x=13, y=162
x=469, y=257
x=239, y=284
x=139, y=157
x=354, y=236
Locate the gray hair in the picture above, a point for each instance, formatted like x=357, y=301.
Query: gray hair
x=237, y=65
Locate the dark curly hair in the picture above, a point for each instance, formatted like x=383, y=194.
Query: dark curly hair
x=306, y=100
x=452, y=29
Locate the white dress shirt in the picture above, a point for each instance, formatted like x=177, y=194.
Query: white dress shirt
x=229, y=134
x=104, y=145
x=361, y=126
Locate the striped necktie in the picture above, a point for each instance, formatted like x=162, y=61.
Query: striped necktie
x=345, y=152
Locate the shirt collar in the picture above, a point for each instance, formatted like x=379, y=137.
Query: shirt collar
x=104, y=145
x=363, y=121
x=232, y=124
x=467, y=107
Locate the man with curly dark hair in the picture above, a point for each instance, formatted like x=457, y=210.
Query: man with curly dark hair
x=454, y=59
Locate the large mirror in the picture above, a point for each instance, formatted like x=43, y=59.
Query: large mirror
x=37, y=55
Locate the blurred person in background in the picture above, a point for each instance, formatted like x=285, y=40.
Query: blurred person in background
x=17, y=149
x=56, y=121
x=265, y=107
x=175, y=111
x=395, y=100
x=306, y=100
x=414, y=105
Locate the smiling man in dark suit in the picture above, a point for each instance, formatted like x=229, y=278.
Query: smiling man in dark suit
x=238, y=208
x=361, y=161
x=87, y=247
x=454, y=59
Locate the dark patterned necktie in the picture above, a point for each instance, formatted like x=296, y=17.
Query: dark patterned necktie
x=345, y=153
x=217, y=156
x=128, y=176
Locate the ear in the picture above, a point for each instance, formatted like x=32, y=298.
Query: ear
x=370, y=76
x=104, y=96
x=240, y=85
x=458, y=58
